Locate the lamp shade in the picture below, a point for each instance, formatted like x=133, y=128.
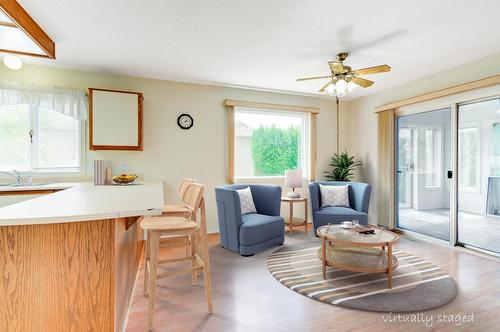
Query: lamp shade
x=293, y=178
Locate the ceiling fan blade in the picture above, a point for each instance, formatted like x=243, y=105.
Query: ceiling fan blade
x=312, y=78
x=336, y=67
x=373, y=70
x=362, y=82
x=324, y=86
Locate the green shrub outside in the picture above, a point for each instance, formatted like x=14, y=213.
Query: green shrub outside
x=274, y=150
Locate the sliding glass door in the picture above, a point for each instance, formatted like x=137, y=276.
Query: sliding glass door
x=479, y=175
x=423, y=161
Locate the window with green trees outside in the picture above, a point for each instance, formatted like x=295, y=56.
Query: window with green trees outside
x=269, y=142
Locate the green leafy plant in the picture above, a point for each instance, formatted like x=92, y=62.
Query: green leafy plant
x=343, y=167
x=274, y=150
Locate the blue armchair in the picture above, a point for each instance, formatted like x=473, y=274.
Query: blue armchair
x=250, y=233
x=359, y=201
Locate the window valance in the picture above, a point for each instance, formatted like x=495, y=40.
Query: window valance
x=70, y=102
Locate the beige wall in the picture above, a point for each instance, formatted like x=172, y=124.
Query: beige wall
x=169, y=152
x=359, y=122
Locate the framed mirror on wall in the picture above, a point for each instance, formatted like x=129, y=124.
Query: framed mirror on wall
x=115, y=120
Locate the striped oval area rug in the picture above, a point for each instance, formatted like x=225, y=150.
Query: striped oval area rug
x=417, y=284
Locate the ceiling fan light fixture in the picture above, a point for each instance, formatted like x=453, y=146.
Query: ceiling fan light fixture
x=341, y=88
x=351, y=86
x=12, y=62
x=330, y=88
x=344, y=79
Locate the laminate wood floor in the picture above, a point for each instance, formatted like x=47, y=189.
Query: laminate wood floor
x=247, y=298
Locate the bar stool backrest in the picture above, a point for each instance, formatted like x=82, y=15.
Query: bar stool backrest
x=183, y=186
x=193, y=197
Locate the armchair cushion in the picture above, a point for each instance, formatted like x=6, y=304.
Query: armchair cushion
x=338, y=214
x=258, y=228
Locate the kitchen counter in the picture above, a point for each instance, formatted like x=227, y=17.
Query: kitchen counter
x=69, y=258
x=83, y=201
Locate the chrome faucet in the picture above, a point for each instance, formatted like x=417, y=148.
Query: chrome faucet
x=15, y=174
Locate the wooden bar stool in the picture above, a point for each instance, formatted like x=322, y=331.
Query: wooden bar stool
x=179, y=210
x=197, y=234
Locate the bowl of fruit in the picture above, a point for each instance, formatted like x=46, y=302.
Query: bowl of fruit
x=124, y=178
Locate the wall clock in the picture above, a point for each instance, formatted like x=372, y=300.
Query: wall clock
x=185, y=121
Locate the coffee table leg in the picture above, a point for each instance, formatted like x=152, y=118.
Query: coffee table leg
x=323, y=255
x=389, y=265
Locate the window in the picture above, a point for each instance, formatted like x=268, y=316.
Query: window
x=269, y=142
x=38, y=139
x=495, y=149
x=468, y=158
x=433, y=156
x=495, y=139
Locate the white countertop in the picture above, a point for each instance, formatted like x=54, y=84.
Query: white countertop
x=84, y=201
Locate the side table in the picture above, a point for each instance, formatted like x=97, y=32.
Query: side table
x=292, y=221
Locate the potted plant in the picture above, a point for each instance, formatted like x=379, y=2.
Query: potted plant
x=343, y=167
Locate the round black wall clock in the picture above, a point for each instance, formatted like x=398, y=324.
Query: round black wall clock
x=185, y=121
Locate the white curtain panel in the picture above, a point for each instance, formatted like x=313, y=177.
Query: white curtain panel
x=69, y=102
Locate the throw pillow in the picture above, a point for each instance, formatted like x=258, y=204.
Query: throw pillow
x=334, y=195
x=246, y=201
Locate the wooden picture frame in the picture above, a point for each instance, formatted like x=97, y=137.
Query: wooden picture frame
x=98, y=144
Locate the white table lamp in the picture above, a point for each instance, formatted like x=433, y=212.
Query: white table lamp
x=293, y=179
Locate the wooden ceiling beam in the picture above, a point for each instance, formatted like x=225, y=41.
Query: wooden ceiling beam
x=25, y=22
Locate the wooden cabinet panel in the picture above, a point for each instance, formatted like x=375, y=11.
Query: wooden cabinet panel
x=67, y=277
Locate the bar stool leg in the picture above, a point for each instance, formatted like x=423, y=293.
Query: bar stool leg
x=187, y=245
x=206, y=269
x=146, y=262
x=194, y=274
x=154, y=248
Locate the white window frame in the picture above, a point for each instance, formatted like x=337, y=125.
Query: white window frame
x=305, y=144
x=34, y=153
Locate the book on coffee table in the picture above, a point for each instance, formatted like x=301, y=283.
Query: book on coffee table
x=364, y=229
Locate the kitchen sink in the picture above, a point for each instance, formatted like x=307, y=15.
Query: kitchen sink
x=34, y=184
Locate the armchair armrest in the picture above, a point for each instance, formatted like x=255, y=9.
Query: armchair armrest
x=361, y=193
x=314, y=196
x=229, y=216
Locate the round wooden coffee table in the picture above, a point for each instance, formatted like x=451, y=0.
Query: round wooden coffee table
x=349, y=250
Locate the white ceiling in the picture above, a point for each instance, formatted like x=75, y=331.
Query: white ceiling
x=267, y=43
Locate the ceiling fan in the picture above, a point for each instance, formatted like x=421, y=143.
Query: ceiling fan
x=343, y=79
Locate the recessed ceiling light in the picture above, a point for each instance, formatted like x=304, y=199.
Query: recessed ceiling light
x=12, y=62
